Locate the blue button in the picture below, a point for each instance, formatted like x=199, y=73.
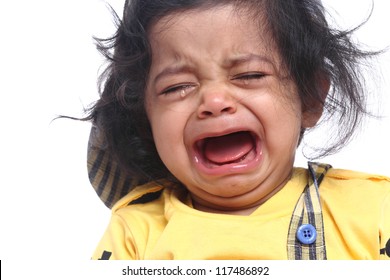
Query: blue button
x=307, y=234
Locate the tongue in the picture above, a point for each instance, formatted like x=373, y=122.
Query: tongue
x=228, y=148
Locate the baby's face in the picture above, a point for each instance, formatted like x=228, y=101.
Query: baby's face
x=225, y=118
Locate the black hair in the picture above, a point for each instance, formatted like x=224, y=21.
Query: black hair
x=310, y=50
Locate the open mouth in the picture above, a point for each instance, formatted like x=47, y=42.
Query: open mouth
x=231, y=151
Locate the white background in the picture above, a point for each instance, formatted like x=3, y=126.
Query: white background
x=49, y=66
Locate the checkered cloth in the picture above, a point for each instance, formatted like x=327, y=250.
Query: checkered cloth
x=109, y=181
x=308, y=211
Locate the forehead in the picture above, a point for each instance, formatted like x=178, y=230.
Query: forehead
x=216, y=29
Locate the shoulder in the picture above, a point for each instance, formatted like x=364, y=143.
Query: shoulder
x=351, y=178
x=136, y=222
x=346, y=187
x=144, y=199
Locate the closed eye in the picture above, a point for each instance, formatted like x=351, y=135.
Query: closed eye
x=181, y=89
x=249, y=76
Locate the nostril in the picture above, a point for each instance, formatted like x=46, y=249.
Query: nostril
x=227, y=110
x=207, y=113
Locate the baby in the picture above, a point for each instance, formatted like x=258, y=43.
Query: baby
x=203, y=106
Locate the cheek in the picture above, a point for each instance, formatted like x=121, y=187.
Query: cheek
x=282, y=124
x=167, y=128
x=163, y=140
x=168, y=139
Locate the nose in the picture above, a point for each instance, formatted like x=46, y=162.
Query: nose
x=216, y=102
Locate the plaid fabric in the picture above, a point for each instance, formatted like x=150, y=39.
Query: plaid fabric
x=109, y=181
x=308, y=211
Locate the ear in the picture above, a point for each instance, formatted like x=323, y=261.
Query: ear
x=312, y=112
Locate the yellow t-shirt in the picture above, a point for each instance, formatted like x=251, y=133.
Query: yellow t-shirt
x=356, y=216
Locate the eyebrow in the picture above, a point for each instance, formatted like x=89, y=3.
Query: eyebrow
x=172, y=70
x=240, y=59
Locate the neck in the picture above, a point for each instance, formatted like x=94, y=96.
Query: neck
x=215, y=210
